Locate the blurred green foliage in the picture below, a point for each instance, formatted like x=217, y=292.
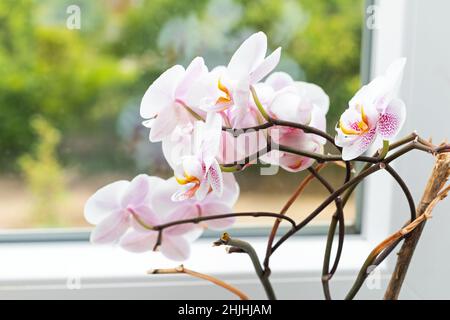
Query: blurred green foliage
x=51, y=71
x=44, y=175
x=81, y=81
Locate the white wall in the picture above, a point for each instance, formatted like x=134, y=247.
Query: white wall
x=426, y=91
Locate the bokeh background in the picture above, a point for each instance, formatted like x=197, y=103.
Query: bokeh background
x=69, y=99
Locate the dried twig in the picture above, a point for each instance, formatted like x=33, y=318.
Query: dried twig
x=218, y=282
x=430, y=197
x=393, y=239
x=225, y=239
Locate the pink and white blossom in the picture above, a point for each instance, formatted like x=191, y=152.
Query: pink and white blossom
x=297, y=102
x=230, y=86
x=165, y=102
x=199, y=173
x=374, y=114
x=111, y=208
x=125, y=212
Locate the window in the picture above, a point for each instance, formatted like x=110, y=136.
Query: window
x=412, y=28
x=73, y=73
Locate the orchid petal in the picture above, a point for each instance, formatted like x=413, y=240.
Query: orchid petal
x=105, y=201
x=111, y=228
x=265, y=95
x=266, y=66
x=285, y=106
x=279, y=80
x=184, y=192
x=137, y=191
x=319, y=121
x=164, y=124
x=161, y=197
x=391, y=121
x=231, y=189
x=138, y=241
x=193, y=167
x=358, y=146
x=204, y=93
x=394, y=74
x=215, y=178
x=211, y=138
x=299, y=140
x=144, y=216
x=202, y=190
x=314, y=94
x=187, y=210
x=160, y=94
x=250, y=54
x=194, y=71
x=217, y=208
x=241, y=93
x=178, y=144
x=175, y=248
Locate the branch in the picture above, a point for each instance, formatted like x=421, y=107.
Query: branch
x=374, y=257
x=225, y=239
x=432, y=194
x=326, y=202
x=414, y=145
x=302, y=186
x=222, y=216
x=405, y=189
x=218, y=282
x=160, y=228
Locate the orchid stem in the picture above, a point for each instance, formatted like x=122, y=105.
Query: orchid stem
x=384, y=150
x=247, y=247
x=259, y=105
x=218, y=282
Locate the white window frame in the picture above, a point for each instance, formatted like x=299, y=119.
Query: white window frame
x=79, y=270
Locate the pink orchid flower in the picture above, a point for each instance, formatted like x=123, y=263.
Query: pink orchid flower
x=212, y=204
x=247, y=67
x=176, y=240
x=298, y=102
x=166, y=100
x=374, y=114
x=199, y=173
x=298, y=140
x=112, y=207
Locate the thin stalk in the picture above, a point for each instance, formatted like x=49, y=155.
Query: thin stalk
x=259, y=105
x=338, y=218
x=218, y=282
x=247, y=247
x=324, y=204
x=222, y=216
x=301, y=187
x=405, y=189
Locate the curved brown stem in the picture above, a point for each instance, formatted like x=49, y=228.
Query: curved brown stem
x=247, y=248
x=218, y=282
x=301, y=187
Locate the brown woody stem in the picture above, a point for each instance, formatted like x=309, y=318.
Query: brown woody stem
x=218, y=282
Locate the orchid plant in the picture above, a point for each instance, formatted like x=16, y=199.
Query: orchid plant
x=206, y=119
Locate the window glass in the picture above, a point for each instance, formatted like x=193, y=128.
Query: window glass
x=72, y=74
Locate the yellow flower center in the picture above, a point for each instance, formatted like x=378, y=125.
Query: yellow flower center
x=226, y=99
x=187, y=179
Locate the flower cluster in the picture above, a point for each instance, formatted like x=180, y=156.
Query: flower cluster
x=189, y=110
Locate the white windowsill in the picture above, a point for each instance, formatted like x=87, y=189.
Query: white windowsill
x=53, y=269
